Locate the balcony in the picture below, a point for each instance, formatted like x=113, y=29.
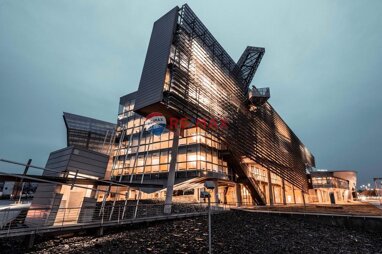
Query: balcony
x=259, y=96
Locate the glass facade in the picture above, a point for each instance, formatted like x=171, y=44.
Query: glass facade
x=140, y=152
x=188, y=74
x=89, y=133
x=201, y=81
x=239, y=142
x=329, y=182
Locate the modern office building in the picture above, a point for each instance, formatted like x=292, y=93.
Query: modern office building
x=218, y=127
x=195, y=118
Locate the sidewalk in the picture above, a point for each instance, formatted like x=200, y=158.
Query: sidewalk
x=376, y=203
x=356, y=208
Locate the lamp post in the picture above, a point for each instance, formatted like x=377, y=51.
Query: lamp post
x=204, y=194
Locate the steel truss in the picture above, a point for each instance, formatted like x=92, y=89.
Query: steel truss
x=248, y=64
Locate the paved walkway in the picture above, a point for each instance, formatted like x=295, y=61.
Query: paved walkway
x=376, y=203
x=358, y=209
x=307, y=213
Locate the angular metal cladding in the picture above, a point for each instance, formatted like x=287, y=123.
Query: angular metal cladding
x=150, y=91
x=89, y=133
x=187, y=73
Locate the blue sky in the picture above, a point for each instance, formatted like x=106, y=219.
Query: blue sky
x=323, y=63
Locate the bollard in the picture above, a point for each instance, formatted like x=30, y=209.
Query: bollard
x=99, y=231
x=29, y=241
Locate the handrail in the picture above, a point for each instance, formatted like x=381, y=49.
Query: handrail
x=256, y=183
x=80, y=177
x=38, y=219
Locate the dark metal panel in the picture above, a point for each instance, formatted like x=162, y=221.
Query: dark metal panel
x=88, y=132
x=127, y=97
x=86, y=161
x=154, y=70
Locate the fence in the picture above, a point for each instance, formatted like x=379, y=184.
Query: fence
x=64, y=215
x=24, y=221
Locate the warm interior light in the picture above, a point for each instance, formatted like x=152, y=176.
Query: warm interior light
x=196, y=157
x=80, y=175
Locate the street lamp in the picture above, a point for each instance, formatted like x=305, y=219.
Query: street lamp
x=204, y=194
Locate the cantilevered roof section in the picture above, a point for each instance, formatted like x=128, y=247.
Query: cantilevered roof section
x=88, y=132
x=83, y=123
x=127, y=97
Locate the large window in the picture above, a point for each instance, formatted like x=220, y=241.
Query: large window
x=197, y=150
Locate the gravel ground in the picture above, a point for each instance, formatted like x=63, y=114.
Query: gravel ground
x=233, y=232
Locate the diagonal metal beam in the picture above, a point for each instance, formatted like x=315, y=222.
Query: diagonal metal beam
x=248, y=64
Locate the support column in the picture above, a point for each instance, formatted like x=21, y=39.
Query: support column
x=225, y=195
x=303, y=198
x=29, y=241
x=196, y=194
x=99, y=231
x=283, y=190
x=171, y=172
x=216, y=193
x=238, y=194
x=294, y=195
x=19, y=186
x=319, y=196
x=270, y=190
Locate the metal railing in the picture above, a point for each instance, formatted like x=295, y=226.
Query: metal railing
x=255, y=183
x=24, y=221
x=18, y=219
x=260, y=92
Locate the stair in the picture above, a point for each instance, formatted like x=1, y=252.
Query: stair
x=245, y=177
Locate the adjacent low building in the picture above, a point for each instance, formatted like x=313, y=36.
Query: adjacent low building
x=59, y=204
x=333, y=186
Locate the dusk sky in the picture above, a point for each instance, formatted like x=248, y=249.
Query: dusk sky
x=323, y=63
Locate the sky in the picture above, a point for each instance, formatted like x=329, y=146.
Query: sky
x=323, y=63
